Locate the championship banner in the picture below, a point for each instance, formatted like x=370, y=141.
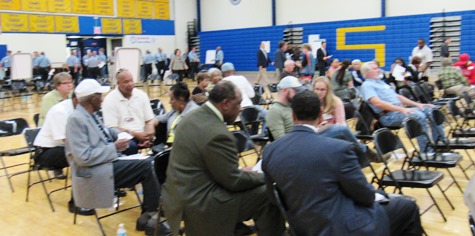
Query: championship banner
x=132, y=26
x=67, y=24
x=104, y=7
x=59, y=6
x=41, y=23
x=162, y=10
x=126, y=8
x=111, y=26
x=34, y=5
x=82, y=7
x=11, y=5
x=14, y=22
x=144, y=9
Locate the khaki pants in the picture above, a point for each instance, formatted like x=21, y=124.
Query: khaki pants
x=262, y=74
x=459, y=89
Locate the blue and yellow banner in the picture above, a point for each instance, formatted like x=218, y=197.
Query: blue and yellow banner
x=34, y=5
x=82, y=7
x=126, y=8
x=162, y=10
x=144, y=9
x=132, y=26
x=10, y=5
x=104, y=7
x=41, y=23
x=59, y=6
x=111, y=26
x=67, y=24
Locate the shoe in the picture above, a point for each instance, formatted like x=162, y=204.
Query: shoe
x=242, y=229
x=143, y=220
x=120, y=193
x=58, y=174
x=80, y=210
x=163, y=228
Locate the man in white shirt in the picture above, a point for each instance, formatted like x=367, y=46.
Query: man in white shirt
x=425, y=53
x=247, y=92
x=51, y=137
x=128, y=109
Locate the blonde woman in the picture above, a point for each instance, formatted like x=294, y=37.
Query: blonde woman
x=178, y=65
x=333, y=111
x=215, y=76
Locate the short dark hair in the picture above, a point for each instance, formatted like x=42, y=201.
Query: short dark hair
x=180, y=90
x=202, y=75
x=222, y=90
x=306, y=106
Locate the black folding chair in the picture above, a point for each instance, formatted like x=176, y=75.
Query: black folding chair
x=443, y=143
x=460, y=127
x=36, y=118
x=30, y=135
x=157, y=107
x=442, y=93
x=245, y=145
x=421, y=158
x=277, y=199
x=386, y=144
x=407, y=92
x=10, y=128
x=250, y=123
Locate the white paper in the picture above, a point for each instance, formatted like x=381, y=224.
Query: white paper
x=101, y=64
x=398, y=72
x=133, y=157
x=210, y=56
x=267, y=46
x=258, y=167
x=124, y=135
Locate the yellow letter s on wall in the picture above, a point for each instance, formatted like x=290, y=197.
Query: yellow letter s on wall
x=379, y=49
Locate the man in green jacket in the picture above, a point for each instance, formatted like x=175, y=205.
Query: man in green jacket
x=205, y=186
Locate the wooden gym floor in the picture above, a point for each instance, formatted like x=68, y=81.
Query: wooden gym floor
x=35, y=217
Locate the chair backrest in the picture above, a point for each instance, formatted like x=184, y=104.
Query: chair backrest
x=467, y=98
x=428, y=90
x=436, y=116
x=277, y=199
x=269, y=134
x=13, y=126
x=36, y=119
x=365, y=119
x=406, y=92
x=349, y=110
x=272, y=88
x=453, y=109
x=386, y=141
x=243, y=141
x=420, y=96
x=30, y=135
x=157, y=107
x=439, y=85
x=161, y=165
x=249, y=115
x=412, y=127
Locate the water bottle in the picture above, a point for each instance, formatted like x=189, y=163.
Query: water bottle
x=121, y=230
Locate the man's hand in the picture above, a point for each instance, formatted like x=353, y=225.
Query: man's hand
x=141, y=136
x=422, y=105
x=406, y=111
x=121, y=144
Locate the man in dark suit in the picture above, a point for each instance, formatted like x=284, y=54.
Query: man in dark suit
x=263, y=61
x=322, y=57
x=322, y=184
x=205, y=186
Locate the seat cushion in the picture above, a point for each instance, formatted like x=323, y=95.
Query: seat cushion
x=437, y=160
x=413, y=178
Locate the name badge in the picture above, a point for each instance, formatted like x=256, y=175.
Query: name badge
x=327, y=116
x=128, y=119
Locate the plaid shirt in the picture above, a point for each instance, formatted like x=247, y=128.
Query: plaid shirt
x=451, y=76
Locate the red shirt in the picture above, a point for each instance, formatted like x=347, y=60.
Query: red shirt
x=468, y=70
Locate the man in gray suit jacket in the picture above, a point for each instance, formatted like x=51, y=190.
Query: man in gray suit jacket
x=323, y=187
x=205, y=186
x=92, y=151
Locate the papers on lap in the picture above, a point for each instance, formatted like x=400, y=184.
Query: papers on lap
x=133, y=157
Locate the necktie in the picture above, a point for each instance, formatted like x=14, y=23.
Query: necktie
x=103, y=130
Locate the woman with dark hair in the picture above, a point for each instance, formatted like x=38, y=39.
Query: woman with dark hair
x=199, y=94
x=342, y=82
x=405, y=74
x=181, y=104
x=178, y=65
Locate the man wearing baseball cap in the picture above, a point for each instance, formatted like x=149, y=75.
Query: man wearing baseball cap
x=279, y=118
x=92, y=151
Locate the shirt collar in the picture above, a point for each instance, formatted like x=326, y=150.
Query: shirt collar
x=311, y=127
x=122, y=98
x=215, y=110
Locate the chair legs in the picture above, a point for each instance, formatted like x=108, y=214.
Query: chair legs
x=4, y=167
x=42, y=182
x=434, y=204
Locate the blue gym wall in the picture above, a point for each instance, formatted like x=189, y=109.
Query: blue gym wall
x=397, y=36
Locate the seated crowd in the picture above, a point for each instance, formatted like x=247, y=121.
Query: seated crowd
x=205, y=187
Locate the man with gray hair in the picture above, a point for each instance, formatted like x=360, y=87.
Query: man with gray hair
x=453, y=81
x=63, y=86
x=205, y=186
x=263, y=61
x=289, y=67
x=388, y=105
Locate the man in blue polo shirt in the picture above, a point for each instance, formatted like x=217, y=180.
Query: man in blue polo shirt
x=389, y=105
x=6, y=63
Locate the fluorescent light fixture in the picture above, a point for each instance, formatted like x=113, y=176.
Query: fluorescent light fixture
x=98, y=37
x=74, y=37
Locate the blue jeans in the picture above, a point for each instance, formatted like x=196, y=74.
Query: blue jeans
x=262, y=117
x=395, y=118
